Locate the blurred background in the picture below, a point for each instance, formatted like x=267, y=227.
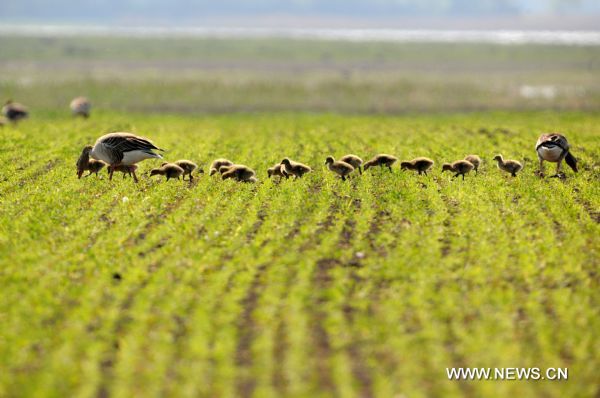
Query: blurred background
x=354, y=56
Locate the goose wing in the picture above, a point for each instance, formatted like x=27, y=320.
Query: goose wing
x=552, y=140
x=117, y=144
x=125, y=142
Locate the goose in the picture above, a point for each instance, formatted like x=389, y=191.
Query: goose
x=295, y=169
x=80, y=106
x=420, y=164
x=340, y=168
x=238, y=172
x=85, y=163
x=126, y=170
x=460, y=167
x=217, y=163
x=554, y=148
x=381, y=160
x=169, y=170
x=277, y=171
x=123, y=149
x=510, y=166
x=475, y=161
x=353, y=161
x=13, y=111
x=188, y=167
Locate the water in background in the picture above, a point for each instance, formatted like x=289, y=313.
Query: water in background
x=358, y=35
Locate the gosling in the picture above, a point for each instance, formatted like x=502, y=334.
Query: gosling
x=421, y=165
x=188, y=168
x=94, y=167
x=217, y=163
x=555, y=148
x=460, y=167
x=475, y=161
x=510, y=166
x=238, y=172
x=295, y=169
x=126, y=170
x=353, y=161
x=169, y=170
x=382, y=160
x=85, y=163
x=277, y=171
x=339, y=167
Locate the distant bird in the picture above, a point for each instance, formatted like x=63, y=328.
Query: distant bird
x=217, y=163
x=510, y=166
x=126, y=170
x=238, y=172
x=85, y=163
x=277, y=171
x=124, y=149
x=169, y=170
x=475, y=161
x=188, y=167
x=14, y=112
x=382, y=160
x=295, y=169
x=353, y=161
x=340, y=168
x=554, y=148
x=460, y=167
x=81, y=106
x=420, y=164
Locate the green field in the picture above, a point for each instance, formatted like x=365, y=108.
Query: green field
x=221, y=76
x=308, y=288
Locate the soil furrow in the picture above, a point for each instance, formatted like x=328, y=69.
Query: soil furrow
x=321, y=281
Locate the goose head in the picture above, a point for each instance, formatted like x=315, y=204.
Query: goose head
x=154, y=172
x=83, y=160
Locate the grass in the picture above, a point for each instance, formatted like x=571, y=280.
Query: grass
x=314, y=287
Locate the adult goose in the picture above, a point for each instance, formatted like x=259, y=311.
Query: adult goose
x=14, y=111
x=123, y=149
x=554, y=148
x=81, y=106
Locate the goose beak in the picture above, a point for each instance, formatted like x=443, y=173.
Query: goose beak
x=79, y=173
